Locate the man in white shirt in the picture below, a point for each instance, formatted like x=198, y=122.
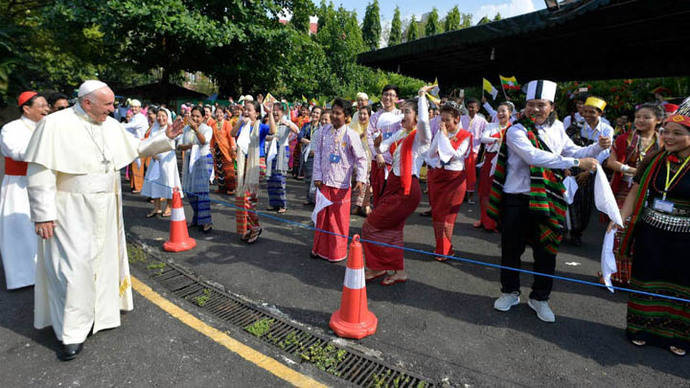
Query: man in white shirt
x=532, y=209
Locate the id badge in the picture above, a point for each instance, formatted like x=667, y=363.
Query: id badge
x=663, y=206
x=334, y=158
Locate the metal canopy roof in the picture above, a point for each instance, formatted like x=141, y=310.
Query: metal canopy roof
x=584, y=40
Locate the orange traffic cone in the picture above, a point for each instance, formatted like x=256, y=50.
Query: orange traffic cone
x=179, y=236
x=353, y=319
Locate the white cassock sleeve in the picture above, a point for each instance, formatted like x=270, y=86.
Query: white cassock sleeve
x=42, y=193
x=155, y=145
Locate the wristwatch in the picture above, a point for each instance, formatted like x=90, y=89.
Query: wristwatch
x=576, y=163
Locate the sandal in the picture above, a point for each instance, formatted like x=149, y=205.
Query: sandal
x=639, y=342
x=254, y=237
x=207, y=228
x=153, y=213
x=440, y=259
x=371, y=275
x=282, y=210
x=426, y=213
x=391, y=280
x=477, y=224
x=246, y=236
x=677, y=351
x=166, y=214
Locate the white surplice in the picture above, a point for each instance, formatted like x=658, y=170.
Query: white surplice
x=82, y=275
x=17, y=237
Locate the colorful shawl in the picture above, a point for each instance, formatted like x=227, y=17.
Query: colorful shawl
x=640, y=200
x=405, y=160
x=546, y=199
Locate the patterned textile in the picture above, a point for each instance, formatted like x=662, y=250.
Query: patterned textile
x=386, y=223
x=276, y=188
x=336, y=219
x=262, y=167
x=245, y=214
x=485, y=189
x=197, y=190
x=546, y=193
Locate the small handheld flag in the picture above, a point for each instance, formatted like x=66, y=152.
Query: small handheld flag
x=487, y=87
x=509, y=83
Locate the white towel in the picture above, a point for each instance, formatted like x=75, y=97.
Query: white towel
x=570, y=189
x=608, y=260
x=606, y=203
x=321, y=203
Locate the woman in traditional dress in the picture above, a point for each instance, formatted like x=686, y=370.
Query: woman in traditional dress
x=251, y=135
x=492, y=137
x=223, y=146
x=658, y=237
x=447, y=157
x=162, y=175
x=627, y=152
x=278, y=159
x=197, y=168
x=305, y=137
x=362, y=198
x=400, y=196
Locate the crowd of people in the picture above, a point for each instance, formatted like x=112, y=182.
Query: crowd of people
x=534, y=177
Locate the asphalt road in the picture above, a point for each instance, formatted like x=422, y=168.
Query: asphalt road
x=439, y=324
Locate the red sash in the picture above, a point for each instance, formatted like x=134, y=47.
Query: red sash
x=13, y=167
x=405, y=160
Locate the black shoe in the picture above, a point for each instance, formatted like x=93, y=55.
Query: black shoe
x=69, y=352
x=314, y=255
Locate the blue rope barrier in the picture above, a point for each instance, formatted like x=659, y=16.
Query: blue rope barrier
x=455, y=258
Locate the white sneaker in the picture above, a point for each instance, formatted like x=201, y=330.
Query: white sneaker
x=506, y=301
x=541, y=307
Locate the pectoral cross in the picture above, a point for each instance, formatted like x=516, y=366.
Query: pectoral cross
x=106, y=163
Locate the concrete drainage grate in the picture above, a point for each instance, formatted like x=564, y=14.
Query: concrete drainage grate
x=347, y=364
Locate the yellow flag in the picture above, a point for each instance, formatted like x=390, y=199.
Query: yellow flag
x=487, y=87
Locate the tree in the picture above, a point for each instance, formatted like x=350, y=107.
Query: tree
x=301, y=11
x=484, y=20
x=412, y=30
x=466, y=20
x=497, y=17
x=371, y=26
x=395, y=36
x=452, y=21
x=433, y=26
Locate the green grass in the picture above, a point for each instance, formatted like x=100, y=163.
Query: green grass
x=136, y=254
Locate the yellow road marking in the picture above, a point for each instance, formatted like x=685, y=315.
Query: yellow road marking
x=259, y=359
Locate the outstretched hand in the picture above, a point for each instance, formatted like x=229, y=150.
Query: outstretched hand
x=173, y=131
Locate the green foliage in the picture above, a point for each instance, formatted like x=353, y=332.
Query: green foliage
x=433, y=26
x=466, y=20
x=395, y=35
x=452, y=21
x=260, y=327
x=371, y=26
x=202, y=299
x=484, y=20
x=301, y=11
x=325, y=358
x=497, y=17
x=412, y=30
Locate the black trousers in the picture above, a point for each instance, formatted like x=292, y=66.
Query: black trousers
x=519, y=228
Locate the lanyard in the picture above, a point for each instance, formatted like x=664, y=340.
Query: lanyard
x=668, y=183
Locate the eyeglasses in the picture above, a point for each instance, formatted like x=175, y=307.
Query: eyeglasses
x=392, y=95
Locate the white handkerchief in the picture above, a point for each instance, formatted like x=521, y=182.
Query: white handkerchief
x=272, y=152
x=138, y=162
x=243, y=139
x=608, y=260
x=155, y=170
x=193, y=156
x=604, y=198
x=305, y=153
x=570, y=189
x=321, y=203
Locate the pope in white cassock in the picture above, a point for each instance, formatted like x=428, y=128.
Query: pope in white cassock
x=82, y=274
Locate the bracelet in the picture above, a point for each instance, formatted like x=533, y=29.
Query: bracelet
x=625, y=168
